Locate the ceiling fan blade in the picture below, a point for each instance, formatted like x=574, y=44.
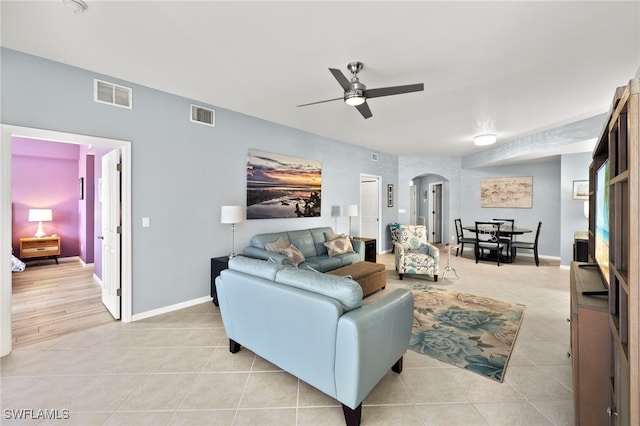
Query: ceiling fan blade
x=394, y=90
x=321, y=102
x=364, y=110
x=344, y=82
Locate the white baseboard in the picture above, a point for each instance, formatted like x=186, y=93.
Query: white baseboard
x=97, y=279
x=171, y=308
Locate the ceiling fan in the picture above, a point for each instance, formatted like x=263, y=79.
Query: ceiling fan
x=356, y=93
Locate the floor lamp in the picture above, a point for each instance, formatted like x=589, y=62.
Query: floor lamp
x=232, y=215
x=351, y=210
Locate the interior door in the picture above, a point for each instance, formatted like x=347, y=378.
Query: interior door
x=370, y=205
x=435, y=212
x=110, y=190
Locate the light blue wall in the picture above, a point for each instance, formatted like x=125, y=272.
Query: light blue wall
x=574, y=167
x=184, y=172
x=181, y=172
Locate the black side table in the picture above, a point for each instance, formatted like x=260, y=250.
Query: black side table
x=218, y=264
x=370, y=249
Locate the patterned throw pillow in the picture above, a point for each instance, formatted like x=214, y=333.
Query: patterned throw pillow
x=275, y=246
x=294, y=255
x=330, y=236
x=338, y=246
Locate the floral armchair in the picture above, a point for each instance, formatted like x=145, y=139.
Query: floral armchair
x=414, y=254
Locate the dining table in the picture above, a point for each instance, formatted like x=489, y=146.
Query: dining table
x=505, y=231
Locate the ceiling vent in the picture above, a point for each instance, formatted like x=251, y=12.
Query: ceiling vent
x=374, y=156
x=112, y=94
x=203, y=115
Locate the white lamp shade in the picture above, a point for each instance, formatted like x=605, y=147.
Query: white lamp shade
x=351, y=210
x=232, y=214
x=38, y=215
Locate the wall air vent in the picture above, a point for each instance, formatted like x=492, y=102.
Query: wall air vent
x=203, y=115
x=112, y=94
x=374, y=156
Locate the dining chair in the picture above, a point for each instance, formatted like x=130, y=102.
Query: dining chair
x=488, y=238
x=508, y=237
x=462, y=240
x=528, y=245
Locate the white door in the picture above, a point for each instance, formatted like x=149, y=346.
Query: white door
x=110, y=190
x=370, y=205
x=413, y=205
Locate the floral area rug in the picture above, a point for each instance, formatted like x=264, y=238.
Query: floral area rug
x=471, y=332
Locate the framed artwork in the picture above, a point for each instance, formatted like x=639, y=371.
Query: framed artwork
x=279, y=186
x=580, y=189
x=507, y=192
x=389, y=195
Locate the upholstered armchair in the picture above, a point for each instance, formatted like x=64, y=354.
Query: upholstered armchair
x=414, y=254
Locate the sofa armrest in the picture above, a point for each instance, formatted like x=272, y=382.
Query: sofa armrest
x=370, y=341
x=432, y=251
x=358, y=247
x=258, y=253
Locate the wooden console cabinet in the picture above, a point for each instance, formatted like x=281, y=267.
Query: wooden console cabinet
x=40, y=248
x=590, y=353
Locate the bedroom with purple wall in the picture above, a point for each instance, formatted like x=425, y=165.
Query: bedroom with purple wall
x=47, y=175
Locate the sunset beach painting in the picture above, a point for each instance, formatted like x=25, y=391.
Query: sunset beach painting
x=279, y=186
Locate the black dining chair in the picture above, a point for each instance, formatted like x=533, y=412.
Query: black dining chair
x=507, y=237
x=528, y=246
x=488, y=238
x=462, y=240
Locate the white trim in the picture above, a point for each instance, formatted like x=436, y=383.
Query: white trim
x=171, y=308
x=7, y=132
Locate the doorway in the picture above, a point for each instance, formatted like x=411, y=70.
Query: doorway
x=370, y=195
x=8, y=132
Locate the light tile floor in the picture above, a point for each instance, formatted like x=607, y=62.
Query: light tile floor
x=176, y=369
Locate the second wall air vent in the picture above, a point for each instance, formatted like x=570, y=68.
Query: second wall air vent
x=109, y=93
x=203, y=115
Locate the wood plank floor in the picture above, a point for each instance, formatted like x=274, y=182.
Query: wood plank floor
x=50, y=300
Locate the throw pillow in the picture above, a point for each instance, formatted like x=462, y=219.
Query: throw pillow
x=339, y=246
x=294, y=254
x=330, y=236
x=275, y=246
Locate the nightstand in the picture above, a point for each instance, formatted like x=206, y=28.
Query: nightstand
x=369, y=248
x=40, y=248
x=218, y=264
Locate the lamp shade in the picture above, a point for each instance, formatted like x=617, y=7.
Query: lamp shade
x=38, y=215
x=351, y=210
x=232, y=214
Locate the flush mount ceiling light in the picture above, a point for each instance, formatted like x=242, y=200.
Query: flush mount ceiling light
x=78, y=6
x=481, y=140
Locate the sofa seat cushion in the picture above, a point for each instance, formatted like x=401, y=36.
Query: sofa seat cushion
x=323, y=263
x=345, y=290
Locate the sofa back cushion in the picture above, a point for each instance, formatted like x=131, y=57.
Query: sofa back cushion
x=344, y=290
x=260, y=268
x=259, y=240
x=303, y=240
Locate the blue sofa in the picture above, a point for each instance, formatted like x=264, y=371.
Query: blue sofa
x=315, y=327
x=310, y=242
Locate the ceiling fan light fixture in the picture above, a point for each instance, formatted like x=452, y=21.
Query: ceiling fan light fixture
x=78, y=6
x=482, y=140
x=354, y=98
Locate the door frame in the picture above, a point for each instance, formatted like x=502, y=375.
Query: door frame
x=378, y=179
x=9, y=131
x=431, y=225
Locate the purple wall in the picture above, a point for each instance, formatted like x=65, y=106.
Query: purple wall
x=45, y=175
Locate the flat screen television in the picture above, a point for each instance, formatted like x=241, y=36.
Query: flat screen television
x=602, y=219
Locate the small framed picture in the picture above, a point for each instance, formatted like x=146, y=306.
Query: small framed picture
x=389, y=195
x=580, y=189
x=81, y=189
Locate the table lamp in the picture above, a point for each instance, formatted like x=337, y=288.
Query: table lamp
x=232, y=215
x=40, y=215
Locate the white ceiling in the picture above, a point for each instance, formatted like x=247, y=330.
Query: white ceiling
x=509, y=67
